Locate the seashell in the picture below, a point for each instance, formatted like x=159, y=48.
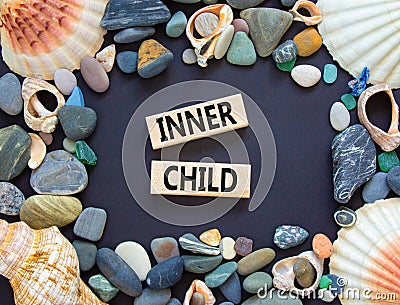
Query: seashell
x=38, y=151
x=225, y=15
x=365, y=256
x=42, y=267
x=36, y=115
x=38, y=37
x=390, y=140
x=366, y=33
x=201, y=287
x=314, y=11
x=284, y=277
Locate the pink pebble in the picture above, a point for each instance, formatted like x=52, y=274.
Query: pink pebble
x=240, y=26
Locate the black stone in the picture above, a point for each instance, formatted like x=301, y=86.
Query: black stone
x=354, y=161
x=165, y=274
x=77, y=122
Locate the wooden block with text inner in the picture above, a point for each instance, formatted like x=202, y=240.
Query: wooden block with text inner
x=200, y=179
x=197, y=121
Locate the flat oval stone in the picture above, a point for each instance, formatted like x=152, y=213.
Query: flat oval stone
x=103, y=288
x=349, y=101
x=153, y=297
x=86, y=252
x=322, y=246
x=76, y=98
x=118, y=272
x=94, y=74
x=11, y=199
x=285, y=52
x=59, y=174
x=201, y=264
x=240, y=26
x=224, y=41
x=339, y=116
x=211, y=237
x=65, y=81
x=308, y=42
x=136, y=257
x=388, y=160
x=304, y=272
x=174, y=301
x=376, y=188
x=164, y=248
x=77, y=122
x=227, y=247
x=90, y=224
x=243, y=4
x=232, y=289
x=85, y=154
x=274, y=298
x=330, y=73
x=241, y=51
x=46, y=137
x=176, y=26
x=206, y=23
x=127, y=61
x=257, y=281
x=192, y=243
x=220, y=275
x=287, y=236
x=306, y=75
x=134, y=34
x=345, y=217
x=15, y=145
x=255, y=261
x=10, y=94
x=165, y=274
x=45, y=211
x=69, y=145
x=393, y=179
x=197, y=299
x=154, y=58
x=189, y=57
x=243, y=246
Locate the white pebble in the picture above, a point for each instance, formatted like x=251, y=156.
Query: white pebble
x=224, y=42
x=339, y=116
x=189, y=57
x=227, y=247
x=69, y=145
x=306, y=75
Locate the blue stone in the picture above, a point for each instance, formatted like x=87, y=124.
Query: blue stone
x=177, y=25
x=174, y=301
x=393, y=179
x=86, y=254
x=127, y=61
x=76, y=98
x=376, y=188
x=134, y=34
x=358, y=85
x=338, y=284
x=287, y=236
x=165, y=274
x=232, y=289
x=330, y=73
x=241, y=51
x=220, y=275
x=153, y=297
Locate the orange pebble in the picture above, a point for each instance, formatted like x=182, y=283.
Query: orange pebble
x=322, y=246
x=308, y=42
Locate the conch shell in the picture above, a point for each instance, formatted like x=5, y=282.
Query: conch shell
x=42, y=267
x=38, y=37
x=225, y=14
x=36, y=115
x=284, y=277
x=390, y=140
x=201, y=287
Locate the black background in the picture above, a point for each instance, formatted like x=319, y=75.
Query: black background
x=301, y=193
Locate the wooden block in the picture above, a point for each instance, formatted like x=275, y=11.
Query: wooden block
x=200, y=179
x=197, y=121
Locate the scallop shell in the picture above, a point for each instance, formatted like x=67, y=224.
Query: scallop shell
x=42, y=267
x=366, y=255
x=362, y=34
x=39, y=37
x=284, y=277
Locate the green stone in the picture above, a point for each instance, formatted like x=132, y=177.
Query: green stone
x=69, y=145
x=330, y=73
x=241, y=51
x=349, y=101
x=286, y=66
x=220, y=275
x=102, y=287
x=388, y=160
x=257, y=281
x=325, y=282
x=85, y=154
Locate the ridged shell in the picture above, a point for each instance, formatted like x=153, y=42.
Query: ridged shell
x=39, y=37
x=367, y=254
x=362, y=34
x=42, y=267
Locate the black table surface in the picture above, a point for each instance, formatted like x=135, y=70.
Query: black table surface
x=302, y=191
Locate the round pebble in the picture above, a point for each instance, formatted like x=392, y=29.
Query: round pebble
x=46, y=137
x=288, y=3
x=241, y=26
x=127, y=61
x=255, y=261
x=189, y=57
x=393, y=179
x=94, y=74
x=164, y=248
x=90, y=224
x=243, y=246
x=77, y=122
x=349, y=101
x=345, y=217
x=176, y=25
x=304, y=272
x=10, y=94
x=322, y=246
x=306, y=75
x=69, y=145
x=65, y=81
x=388, y=160
x=211, y=237
x=308, y=41
x=376, y=188
x=153, y=297
x=11, y=199
x=224, y=42
x=86, y=252
x=256, y=281
x=339, y=116
x=174, y=301
x=330, y=73
x=227, y=247
x=206, y=23
x=197, y=299
x=165, y=274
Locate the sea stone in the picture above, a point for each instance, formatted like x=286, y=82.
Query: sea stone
x=287, y=236
x=276, y=297
x=154, y=58
x=134, y=34
x=59, y=174
x=90, y=224
x=240, y=25
x=349, y=101
x=46, y=137
x=354, y=161
x=153, y=297
x=330, y=73
x=10, y=94
x=122, y=14
x=339, y=116
x=164, y=248
x=76, y=98
x=322, y=246
x=85, y=154
x=86, y=254
x=192, y=243
x=103, y=288
x=257, y=281
x=165, y=274
x=197, y=299
x=255, y=261
x=201, y=264
x=241, y=51
x=189, y=57
x=77, y=122
x=118, y=272
x=107, y=57
x=224, y=42
x=206, y=23
x=306, y=75
x=243, y=4
x=15, y=145
x=388, y=160
x=174, y=301
x=393, y=179
x=232, y=289
x=267, y=26
x=209, y=2
x=65, y=81
x=345, y=217
x=376, y=188
x=288, y=3
x=211, y=237
x=69, y=145
x=11, y=199
x=285, y=52
x=324, y=282
x=243, y=246
x=308, y=41
x=177, y=25
x=94, y=74
x=304, y=272
x=45, y=211
x=287, y=66
x=136, y=257
x=127, y=61
x=227, y=247
x=219, y=276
